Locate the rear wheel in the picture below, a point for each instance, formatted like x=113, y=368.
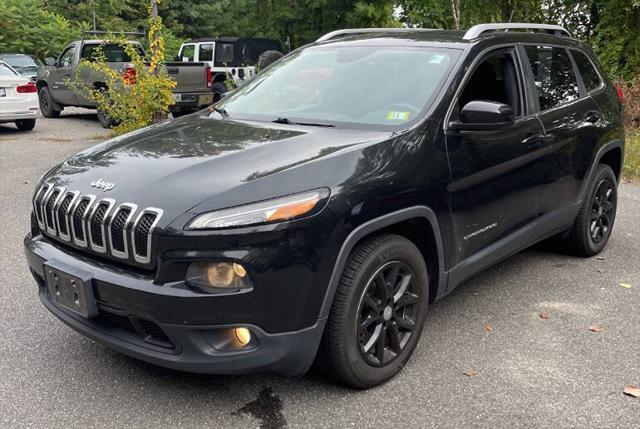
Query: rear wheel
x=378, y=312
x=48, y=107
x=26, y=124
x=218, y=89
x=267, y=58
x=105, y=120
x=593, y=226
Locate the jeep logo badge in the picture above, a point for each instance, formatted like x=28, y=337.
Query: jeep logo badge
x=101, y=184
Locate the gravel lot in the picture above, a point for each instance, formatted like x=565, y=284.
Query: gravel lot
x=531, y=371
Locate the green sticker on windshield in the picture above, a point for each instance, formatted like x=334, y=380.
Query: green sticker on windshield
x=436, y=59
x=398, y=116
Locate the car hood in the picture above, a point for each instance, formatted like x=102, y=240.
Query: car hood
x=180, y=164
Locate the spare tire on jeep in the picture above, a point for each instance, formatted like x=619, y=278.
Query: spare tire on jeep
x=267, y=58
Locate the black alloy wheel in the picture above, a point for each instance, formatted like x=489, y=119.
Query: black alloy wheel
x=387, y=313
x=602, y=211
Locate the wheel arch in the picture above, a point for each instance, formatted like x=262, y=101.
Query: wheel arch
x=612, y=154
x=403, y=222
x=40, y=83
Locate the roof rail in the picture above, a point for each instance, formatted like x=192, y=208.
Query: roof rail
x=349, y=31
x=479, y=29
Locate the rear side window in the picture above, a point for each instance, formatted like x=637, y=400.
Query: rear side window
x=590, y=76
x=113, y=53
x=224, y=54
x=553, y=75
x=205, y=52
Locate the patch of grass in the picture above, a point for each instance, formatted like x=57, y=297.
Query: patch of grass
x=631, y=169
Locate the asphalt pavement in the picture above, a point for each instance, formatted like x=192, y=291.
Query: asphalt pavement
x=521, y=331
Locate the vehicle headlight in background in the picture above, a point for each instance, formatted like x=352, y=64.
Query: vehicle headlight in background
x=271, y=211
x=218, y=275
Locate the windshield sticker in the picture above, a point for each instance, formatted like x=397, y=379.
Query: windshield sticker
x=436, y=59
x=398, y=116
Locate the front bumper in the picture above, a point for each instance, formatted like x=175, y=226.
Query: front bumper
x=130, y=321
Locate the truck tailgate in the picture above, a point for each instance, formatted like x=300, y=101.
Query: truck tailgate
x=189, y=77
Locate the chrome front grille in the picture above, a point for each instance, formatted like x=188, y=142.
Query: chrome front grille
x=97, y=224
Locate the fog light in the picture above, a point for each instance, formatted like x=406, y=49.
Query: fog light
x=243, y=335
x=218, y=275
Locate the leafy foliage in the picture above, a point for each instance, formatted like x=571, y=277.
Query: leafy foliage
x=131, y=101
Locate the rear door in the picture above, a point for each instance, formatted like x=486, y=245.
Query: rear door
x=572, y=121
x=205, y=53
x=496, y=173
x=61, y=74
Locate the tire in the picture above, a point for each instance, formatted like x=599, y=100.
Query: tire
x=105, y=120
x=267, y=58
x=26, y=124
x=350, y=354
x=48, y=107
x=592, y=228
x=218, y=89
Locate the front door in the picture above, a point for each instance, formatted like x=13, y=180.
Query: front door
x=61, y=74
x=495, y=173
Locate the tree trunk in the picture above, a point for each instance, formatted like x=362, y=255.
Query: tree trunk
x=455, y=9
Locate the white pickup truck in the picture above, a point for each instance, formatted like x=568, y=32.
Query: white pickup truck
x=230, y=58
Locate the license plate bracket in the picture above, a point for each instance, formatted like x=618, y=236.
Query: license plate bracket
x=70, y=288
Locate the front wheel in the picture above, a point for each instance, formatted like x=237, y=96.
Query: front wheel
x=105, y=120
x=26, y=124
x=592, y=228
x=48, y=107
x=377, y=314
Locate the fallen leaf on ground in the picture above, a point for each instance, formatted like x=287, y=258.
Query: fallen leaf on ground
x=596, y=328
x=471, y=373
x=600, y=258
x=632, y=391
x=488, y=327
x=544, y=315
x=625, y=285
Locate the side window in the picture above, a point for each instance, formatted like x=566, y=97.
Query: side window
x=187, y=54
x=224, y=54
x=494, y=79
x=553, y=75
x=205, y=52
x=590, y=76
x=67, y=57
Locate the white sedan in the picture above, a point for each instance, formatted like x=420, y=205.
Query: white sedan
x=18, y=99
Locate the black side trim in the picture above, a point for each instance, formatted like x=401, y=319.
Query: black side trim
x=545, y=226
x=376, y=225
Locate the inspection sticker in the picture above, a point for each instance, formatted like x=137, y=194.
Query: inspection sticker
x=436, y=59
x=398, y=116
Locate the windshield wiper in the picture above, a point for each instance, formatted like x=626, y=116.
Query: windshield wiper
x=221, y=112
x=288, y=121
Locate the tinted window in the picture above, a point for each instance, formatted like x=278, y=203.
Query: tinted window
x=224, y=54
x=553, y=75
x=6, y=71
x=590, y=76
x=343, y=84
x=205, y=52
x=113, y=53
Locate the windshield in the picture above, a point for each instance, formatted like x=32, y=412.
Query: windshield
x=22, y=63
x=371, y=86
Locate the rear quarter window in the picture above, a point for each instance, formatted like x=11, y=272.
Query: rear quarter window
x=589, y=74
x=553, y=74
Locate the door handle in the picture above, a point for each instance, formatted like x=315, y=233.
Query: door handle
x=592, y=117
x=534, y=141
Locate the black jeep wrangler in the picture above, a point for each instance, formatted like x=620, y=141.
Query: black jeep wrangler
x=315, y=212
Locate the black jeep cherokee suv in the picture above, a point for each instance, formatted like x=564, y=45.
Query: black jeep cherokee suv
x=316, y=211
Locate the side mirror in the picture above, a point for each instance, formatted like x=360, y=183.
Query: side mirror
x=486, y=112
x=50, y=61
x=177, y=58
x=481, y=114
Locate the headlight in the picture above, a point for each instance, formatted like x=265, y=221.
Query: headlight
x=218, y=275
x=277, y=210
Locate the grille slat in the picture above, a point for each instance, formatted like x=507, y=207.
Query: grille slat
x=95, y=225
